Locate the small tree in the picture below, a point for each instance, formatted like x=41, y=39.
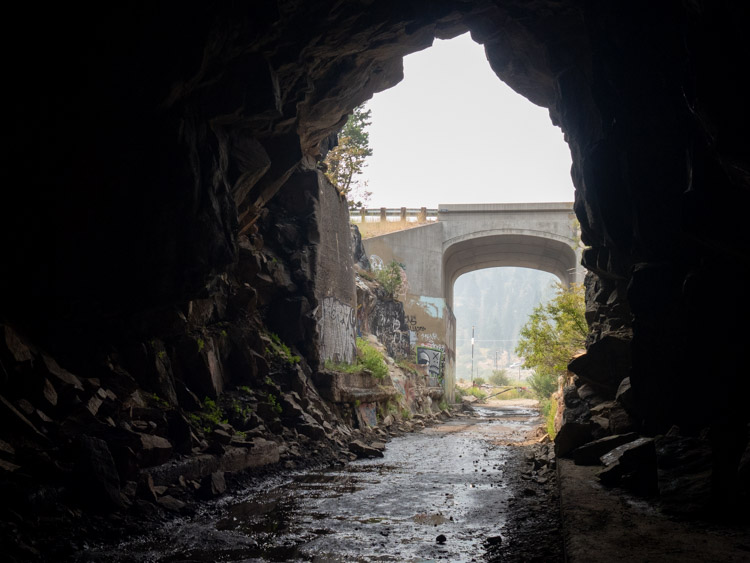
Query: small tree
x=391, y=278
x=543, y=384
x=345, y=162
x=499, y=377
x=554, y=332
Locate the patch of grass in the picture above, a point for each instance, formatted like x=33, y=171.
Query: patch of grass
x=278, y=349
x=212, y=412
x=368, y=357
x=274, y=402
x=210, y=416
x=159, y=401
x=548, y=408
x=513, y=393
x=407, y=366
x=240, y=410
x=371, y=358
x=342, y=367
x=443, y=405
x=405, y=413
x=476, y=392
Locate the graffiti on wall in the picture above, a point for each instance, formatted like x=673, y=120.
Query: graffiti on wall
x=411, y=320
x=386, y=325
x=432, y=359
x=337, y=331
x=376, y=262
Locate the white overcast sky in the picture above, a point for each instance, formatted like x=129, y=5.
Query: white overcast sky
x=452, y=132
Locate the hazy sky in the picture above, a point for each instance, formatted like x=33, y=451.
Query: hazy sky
x=452, y=132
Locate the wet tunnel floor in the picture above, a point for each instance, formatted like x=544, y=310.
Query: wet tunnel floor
x=439, y=494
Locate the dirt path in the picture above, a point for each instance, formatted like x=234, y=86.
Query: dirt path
x=463, y=490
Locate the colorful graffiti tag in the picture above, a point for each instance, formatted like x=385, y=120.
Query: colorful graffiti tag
x=432, y=359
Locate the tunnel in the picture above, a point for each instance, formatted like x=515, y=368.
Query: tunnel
x=152, y=149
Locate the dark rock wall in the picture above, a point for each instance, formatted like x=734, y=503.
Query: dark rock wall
x=144, y=143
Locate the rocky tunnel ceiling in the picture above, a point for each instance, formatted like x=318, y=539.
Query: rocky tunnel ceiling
x=145, y=139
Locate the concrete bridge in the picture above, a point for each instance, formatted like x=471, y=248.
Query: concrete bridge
x=463, y=238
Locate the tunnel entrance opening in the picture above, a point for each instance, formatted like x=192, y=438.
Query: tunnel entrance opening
x=452, y=132
x=144, y=176
x=491, y=305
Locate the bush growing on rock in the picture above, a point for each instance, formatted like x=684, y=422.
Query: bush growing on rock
x=391, y=278
x=371, y=358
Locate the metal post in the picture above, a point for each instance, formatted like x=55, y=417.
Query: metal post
x=472, y=355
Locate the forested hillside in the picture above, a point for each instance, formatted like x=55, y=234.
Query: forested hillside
x=497, y=302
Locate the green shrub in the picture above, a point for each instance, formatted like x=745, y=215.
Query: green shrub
x=371, y=358
x=543, y=384
x=210, y=416
x=548, y=408
x=479, y=381
x=159, y=401
x=274, y=402
x=390, y=278
x=368, y=357
x=500, y=378
x=278, y=349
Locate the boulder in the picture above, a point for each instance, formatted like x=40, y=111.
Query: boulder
x=263, y=452
x=604, y=365
x=171, y=504
x=362, y=450
x=153, y=450
x=96, y=475
x=632, y=466
x=625, y=395
x=213, y=485
x=590, y=453
x=684, y=473
x=571, y=436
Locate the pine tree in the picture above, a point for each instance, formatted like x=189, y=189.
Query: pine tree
x=346, y=161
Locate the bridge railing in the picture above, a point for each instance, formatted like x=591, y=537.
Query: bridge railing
x=393, y=214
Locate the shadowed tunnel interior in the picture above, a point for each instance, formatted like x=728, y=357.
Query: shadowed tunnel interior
x=153, y=153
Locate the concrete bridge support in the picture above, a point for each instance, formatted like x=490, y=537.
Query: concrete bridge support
x=468, y=237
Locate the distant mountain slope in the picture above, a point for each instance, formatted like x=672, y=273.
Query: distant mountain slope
x=497, y=302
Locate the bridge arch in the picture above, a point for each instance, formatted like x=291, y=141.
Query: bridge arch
x=547, y=252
